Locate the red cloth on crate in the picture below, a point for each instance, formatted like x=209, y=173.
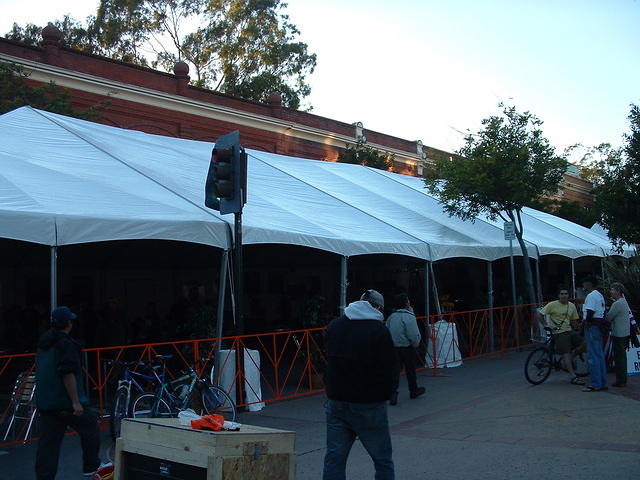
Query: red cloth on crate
x=208, y=422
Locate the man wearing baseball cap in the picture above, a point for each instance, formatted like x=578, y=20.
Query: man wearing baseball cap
x=359, y=382
x=61, y=398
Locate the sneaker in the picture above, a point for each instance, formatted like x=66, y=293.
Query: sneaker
x=97, y=470
x=417, y=393
x=394, y=399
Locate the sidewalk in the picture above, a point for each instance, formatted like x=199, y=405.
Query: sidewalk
x=478, y=421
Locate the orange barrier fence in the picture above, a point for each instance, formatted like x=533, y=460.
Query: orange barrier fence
x=452, y=337
x=288, y=364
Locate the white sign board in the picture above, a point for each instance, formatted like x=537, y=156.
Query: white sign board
x=633, y=361
x=509, y=231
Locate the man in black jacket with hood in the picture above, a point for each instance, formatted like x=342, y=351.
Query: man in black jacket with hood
x=61, y=399
x=359, y=382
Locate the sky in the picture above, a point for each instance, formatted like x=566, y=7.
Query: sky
x=432, y=69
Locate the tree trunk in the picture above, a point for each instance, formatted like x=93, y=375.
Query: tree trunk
x=528, y=274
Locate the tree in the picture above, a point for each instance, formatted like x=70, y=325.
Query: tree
x=362, y=154
x=617, y=185
x=500, y=169
x=16, y=92
x=246, y=48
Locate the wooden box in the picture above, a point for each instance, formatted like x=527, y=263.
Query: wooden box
x=163, y=449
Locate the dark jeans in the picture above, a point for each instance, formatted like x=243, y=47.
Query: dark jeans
x=52, y=427
x=597, y=364
x=620, y=357
x=405, y=356
x=368, y=422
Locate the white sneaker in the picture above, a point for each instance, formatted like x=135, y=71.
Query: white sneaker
x=102, y=465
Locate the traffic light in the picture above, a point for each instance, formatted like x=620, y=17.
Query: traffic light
x=226, y=185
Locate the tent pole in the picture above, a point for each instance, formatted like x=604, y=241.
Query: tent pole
x=435, y=290
x=573, y=277
x=490, y=304
x=512, y=267
x=222, y=294
x=343, y=283
x=427, y=293
x=604, y=278
x=54, y=277
x=538, y=280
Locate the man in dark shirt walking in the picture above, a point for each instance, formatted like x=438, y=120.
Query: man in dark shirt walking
x=61, y=399
x=359, y=382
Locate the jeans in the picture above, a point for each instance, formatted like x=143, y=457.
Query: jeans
x=595, y=352
x=368, y=422
x=405, y=356
x=53, y=426
x=620, y=345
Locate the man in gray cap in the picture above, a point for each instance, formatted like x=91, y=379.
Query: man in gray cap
x=359, y=382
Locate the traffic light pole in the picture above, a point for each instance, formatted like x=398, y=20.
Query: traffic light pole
x=226, y=191
x=238, y=273
x=239, y=291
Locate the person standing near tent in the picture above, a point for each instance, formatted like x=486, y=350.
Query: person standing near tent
x=404, y=331
x=359, y=376
x=568, y=342
x=594, y=325
x=620, y=330
x=61, y=399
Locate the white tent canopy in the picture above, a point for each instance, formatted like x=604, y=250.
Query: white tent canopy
x=67, y=181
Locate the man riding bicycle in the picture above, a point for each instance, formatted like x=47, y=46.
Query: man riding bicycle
x=568, y=342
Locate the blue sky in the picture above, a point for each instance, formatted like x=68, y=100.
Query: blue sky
x=432, y=68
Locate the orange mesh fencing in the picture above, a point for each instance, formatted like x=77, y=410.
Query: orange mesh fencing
x=288, y=364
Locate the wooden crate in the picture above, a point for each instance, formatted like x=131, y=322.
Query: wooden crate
x=255, y=453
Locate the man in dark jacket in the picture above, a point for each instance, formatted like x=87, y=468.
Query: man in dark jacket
x=359, y=381
x=61, y=399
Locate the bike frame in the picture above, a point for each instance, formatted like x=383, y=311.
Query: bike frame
x=165, y=391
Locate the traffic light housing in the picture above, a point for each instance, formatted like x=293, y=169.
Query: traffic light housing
x=226, y=185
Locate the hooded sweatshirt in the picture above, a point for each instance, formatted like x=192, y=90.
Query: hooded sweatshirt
x=360, y=356
x=58, y=354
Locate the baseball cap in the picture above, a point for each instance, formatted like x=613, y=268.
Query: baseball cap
x=61, y=316
x=374, y=298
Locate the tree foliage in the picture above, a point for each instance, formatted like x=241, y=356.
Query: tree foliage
x=16, y=92
x=362, y=154
x=627, y=272
x=502, y=168
x=246, y=48
x=616, y=176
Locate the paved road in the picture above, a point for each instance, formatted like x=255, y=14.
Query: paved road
x=478, y=421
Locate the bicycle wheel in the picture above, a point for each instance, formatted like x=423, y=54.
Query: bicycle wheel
x=119, y=410
x=538, y=366
x=216, y=400
x=143, y=406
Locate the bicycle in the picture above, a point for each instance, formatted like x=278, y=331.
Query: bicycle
x=544, y=358
x=176, y=395
x=120, y=406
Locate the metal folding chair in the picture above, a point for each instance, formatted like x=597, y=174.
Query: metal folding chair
x=22, y=405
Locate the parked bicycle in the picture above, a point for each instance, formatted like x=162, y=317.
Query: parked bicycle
x=187, y=391
x=131, y=380
x=544, y=358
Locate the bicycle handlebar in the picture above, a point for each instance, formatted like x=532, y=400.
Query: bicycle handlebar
x=138, y=363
